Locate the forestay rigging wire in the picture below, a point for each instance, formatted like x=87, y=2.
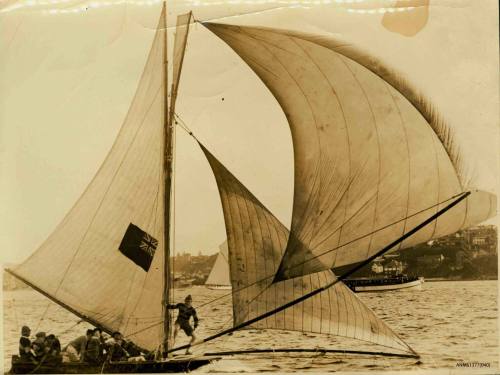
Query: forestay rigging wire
x=184, y=126
x=173, y=216
x=13, y=304
x=43, y=316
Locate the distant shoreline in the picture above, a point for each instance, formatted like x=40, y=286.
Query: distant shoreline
x=438, y=279
x=427, y=280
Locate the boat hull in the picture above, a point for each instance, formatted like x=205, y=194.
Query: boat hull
x=385, y=285
x=219, y=287
x=174, y=365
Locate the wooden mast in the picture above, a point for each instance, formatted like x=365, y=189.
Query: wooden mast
x=167, y=171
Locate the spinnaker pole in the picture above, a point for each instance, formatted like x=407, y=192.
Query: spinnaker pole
x=340, y=278
x=314, y=351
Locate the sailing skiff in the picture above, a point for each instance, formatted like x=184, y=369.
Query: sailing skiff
x=219, y=278
x=376, y=169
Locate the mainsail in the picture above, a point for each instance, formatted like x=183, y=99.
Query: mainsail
x=256, y=241
x=219, y=275
x=372, y=158
x=105, y=259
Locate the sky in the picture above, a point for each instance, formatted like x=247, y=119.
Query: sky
x=69, y=70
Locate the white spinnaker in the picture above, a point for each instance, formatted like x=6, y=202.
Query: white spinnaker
x=80, y=264
x=372, y=159
x=256, y=242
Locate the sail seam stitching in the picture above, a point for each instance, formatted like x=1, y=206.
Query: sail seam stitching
x=271, y=241
x=378, y=149
x=234, y=205
x=264, y=45
x=155, y=216
x=346, y=132
x=113, y=146
x=229, y=224
x=415, y=97
x=242, y=209
x=104, y=197
x=403, y=126
x=253, y=206
x=438, y=184
x=382, y=228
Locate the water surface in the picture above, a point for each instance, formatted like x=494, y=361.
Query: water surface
x=446, y=323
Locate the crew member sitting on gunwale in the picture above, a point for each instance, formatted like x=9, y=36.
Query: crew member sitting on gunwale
x=116, y=351
x=38, y=346
x=25, y=352
x=93, y=348
x=75, y=350
x=52, y=350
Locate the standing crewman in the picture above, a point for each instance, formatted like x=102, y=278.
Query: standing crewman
x=182, y=321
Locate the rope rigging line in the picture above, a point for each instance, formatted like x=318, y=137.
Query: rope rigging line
x=319, y=351
x=179, y=121
x=104, y=196
x=340, y=278
x=225, y=324
x=185, y=127
x=263, y=280
x=13, y=304
x=70, y=328
x=190, y=132
x=174, y=166
x=433, y=217
x=43, y=316
x=374, y=231
x=72, y=310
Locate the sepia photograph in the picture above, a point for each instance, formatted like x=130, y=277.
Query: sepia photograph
x=249, y=186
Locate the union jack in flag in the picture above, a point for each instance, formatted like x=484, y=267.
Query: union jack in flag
x=148, y=244
x=138, y=246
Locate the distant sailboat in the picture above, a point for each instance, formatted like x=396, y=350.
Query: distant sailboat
x=375, y=169
x=219, y=275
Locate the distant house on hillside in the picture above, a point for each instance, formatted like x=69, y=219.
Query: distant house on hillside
x=456, y=241
x=393, y=267
x=377, y=268
x=483, y=237
x=431, y=261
